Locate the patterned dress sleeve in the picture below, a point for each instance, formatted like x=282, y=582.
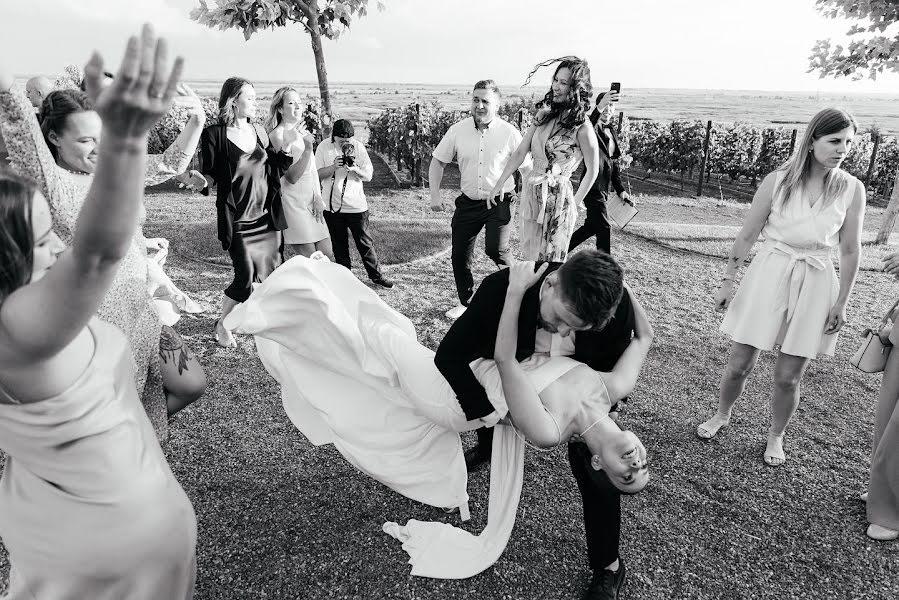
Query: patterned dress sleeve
x=162, y=167
x=28, y=152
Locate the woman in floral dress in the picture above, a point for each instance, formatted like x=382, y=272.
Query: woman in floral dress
x=59, y=154
x=560, y=138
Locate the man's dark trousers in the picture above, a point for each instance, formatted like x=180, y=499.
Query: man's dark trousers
x=469, y=218
x=596, y=223
x=357, y=224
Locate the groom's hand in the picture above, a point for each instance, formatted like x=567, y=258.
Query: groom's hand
x=522, y=275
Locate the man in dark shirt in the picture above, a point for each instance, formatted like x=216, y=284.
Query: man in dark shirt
x=583, y=295
x=608, y=178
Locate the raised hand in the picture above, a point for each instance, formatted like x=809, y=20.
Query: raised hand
x=142, y=90
x=522, y=276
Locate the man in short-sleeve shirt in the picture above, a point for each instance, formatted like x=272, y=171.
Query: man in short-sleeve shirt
x=481, y=144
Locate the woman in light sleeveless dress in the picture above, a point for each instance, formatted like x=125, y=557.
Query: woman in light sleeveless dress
x=89, y=508
x=54, y=154
x=301, y=197
x=560, y=138
x=791, y=296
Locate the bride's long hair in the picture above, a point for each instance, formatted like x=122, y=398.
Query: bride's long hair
x=573, y=110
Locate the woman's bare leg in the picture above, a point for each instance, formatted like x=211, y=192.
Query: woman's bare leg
x=183, y=378
x=740, y=363
x=224, y=337
x=788, y=373
x=324, y=246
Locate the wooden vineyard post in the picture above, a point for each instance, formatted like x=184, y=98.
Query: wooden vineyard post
x=416, y=160
x=620, y=119
x=873, y=158
x=792, y=142
x=890, y=214
x=705, y=157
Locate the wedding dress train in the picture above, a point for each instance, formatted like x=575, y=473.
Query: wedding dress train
x=352, y=373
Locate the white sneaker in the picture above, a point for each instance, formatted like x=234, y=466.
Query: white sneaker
x=456, y=312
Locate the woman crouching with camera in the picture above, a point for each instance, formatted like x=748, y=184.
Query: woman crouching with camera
x=343, y=165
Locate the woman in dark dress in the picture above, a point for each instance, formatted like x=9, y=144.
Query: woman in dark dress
x=237, y=157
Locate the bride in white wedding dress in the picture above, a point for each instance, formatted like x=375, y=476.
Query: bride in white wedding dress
x=352, y=373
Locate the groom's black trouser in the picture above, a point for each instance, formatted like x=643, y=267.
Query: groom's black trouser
x=601, y=500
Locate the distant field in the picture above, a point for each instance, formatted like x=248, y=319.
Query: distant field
x=359, y=101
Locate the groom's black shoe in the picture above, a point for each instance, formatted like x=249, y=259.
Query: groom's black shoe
x=606, y=584
x=476, y=457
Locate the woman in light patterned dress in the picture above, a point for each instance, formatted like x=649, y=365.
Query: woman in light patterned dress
x=560, y=138
x=60, y=155
x=791, y=295
x=89, y=508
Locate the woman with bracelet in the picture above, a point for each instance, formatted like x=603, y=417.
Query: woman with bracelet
x=301, y=191
x=89, y=508
x=59, y=153
x=791, y=296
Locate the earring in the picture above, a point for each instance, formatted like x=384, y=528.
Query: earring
x=596, y=463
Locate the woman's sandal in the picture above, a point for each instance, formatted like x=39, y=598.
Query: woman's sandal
x=710, y=428
x=881, y=534
x=774, y=451
x=225, y=341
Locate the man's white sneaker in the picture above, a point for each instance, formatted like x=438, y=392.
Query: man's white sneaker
x=456, y=312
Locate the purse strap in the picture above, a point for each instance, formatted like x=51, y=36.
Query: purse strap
x=889, y=314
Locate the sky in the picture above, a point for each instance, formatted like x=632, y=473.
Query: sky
x=704, y=44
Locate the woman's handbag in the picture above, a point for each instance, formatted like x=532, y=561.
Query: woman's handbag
x=871, y=356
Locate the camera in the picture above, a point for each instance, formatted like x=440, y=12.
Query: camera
x=349, y=154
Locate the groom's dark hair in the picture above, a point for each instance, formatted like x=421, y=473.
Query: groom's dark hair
x=593, y=284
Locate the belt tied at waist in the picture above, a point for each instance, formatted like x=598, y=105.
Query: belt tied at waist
x=553, y=176
x=793, y=278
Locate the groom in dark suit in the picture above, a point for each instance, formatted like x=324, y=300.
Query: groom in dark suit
x=607, y=179
x=583, y=295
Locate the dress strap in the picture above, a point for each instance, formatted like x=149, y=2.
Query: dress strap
x=525, y=440
x=592, y=424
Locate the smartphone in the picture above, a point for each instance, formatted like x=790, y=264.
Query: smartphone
x=615, y=87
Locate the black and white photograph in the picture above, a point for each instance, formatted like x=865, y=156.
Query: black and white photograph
x=418, y=299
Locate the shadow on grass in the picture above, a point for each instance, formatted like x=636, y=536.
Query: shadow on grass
x=396, y=241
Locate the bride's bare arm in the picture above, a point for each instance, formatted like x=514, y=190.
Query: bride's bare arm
x=621, y=380
x=524, y=403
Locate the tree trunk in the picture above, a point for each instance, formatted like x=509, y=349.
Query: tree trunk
x=320, y=68
x=890, y=214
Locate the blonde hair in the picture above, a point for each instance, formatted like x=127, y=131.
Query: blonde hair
x=798, y=167
x=274, y=117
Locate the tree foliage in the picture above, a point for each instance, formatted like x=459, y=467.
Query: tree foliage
x=873, y=40
x=332, y=17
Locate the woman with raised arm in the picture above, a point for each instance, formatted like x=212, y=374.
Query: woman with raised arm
x=60, y=155
x=301, y=193
x=791, y=296
x=560, y=138
x=89, y=508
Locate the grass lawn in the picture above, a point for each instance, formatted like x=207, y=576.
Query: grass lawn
x=279, y=518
